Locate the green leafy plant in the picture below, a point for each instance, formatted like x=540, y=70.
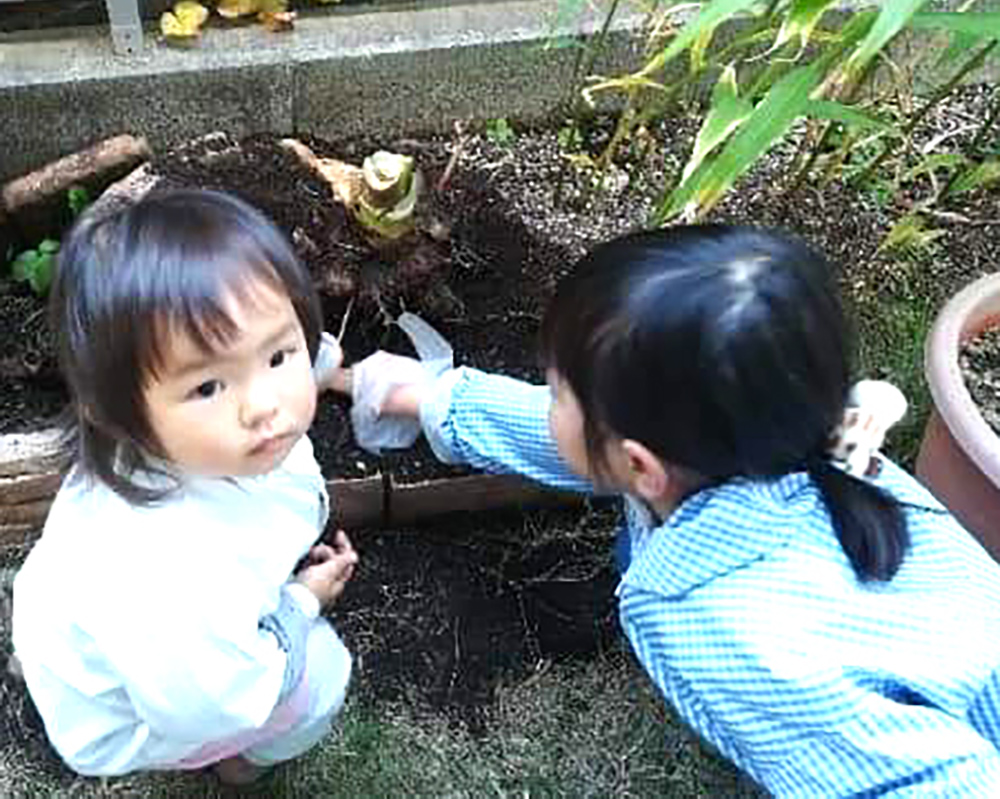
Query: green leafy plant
x=77, y=198
x=499, y=132
x=570, y=138
x=35, y=266
x=791, y=64
x=910, y=236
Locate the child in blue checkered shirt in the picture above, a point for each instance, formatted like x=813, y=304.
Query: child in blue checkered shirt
x=831, y=630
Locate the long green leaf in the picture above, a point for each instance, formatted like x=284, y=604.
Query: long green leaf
x=932, y=163
x=984, y=24
x=781, y=106
x=727, y=113
x=892, y=18
x=958, y=45
x=982, y=175
x=699, y=48
x=838, y=112
x=802, y=18
x=710, y=16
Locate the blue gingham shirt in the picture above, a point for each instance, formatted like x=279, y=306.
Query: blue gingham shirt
x=747, y=615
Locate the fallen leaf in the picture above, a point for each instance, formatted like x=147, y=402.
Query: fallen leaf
x=276, y=21
x=231, y=9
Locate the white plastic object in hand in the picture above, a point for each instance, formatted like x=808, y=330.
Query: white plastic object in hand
x=873, y=406
x=373, y=378
x=329, y=357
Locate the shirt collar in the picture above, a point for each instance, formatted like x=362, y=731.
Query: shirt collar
x=720, y=529
x=729, y=526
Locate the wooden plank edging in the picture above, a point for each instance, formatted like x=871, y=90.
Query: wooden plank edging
x=28, y=484
x=30, y=453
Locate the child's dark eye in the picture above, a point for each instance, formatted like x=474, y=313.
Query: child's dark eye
x=279, y=357
x=207, y=389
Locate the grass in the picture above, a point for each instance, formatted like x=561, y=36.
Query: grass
x=891, y=348
x=892, y=325
x=580, y=730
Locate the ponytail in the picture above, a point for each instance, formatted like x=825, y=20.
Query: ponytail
x=870, y=524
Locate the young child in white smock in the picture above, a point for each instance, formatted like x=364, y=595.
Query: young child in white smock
x=159, y=621
x=813, y=612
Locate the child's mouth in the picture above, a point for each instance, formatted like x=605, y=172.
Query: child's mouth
x=270, y=445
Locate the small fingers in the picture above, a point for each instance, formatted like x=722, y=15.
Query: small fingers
x=342, y=381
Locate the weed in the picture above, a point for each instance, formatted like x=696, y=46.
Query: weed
x=499, y=132
x=570, y=138
x=35, y=266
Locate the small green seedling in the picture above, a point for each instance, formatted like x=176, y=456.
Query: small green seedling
x=77, y=198
x=499, y=131
x=570, y=139
x=910, y=236
x=35, y=267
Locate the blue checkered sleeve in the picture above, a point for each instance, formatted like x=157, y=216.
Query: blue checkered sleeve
x=497, y=424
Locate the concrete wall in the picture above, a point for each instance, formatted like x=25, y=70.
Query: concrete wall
x=337, y=74
x=391, y=70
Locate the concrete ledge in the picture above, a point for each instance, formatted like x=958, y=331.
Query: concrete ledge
x=339, y=72
x=336, y=74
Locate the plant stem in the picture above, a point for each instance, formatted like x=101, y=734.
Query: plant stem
x=622, y=129
x=586, y=58
x=942, y=92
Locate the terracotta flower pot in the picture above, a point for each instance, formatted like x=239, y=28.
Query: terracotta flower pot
x=959, y=458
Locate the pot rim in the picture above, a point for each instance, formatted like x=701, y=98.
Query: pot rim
x=966, y=314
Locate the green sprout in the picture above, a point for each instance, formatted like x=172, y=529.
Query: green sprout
x=499, y=132
x=388, y=194
x=35, y=266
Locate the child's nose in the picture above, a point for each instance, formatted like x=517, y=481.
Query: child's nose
x=260, y=404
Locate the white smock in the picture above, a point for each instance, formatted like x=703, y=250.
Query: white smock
x=138, y=629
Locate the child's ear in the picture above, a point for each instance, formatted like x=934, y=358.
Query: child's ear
x=649, y=478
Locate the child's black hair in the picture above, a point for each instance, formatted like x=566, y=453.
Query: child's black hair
x=725, y=351
x=127, y=274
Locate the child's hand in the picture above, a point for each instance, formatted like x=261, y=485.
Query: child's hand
x=329, y=569
x=387, y=389
x=327, y=367
x=399, y=400
x=387, y=384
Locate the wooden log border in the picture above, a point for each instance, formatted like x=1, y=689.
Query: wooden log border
x=29, y=479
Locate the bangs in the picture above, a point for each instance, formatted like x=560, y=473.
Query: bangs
x=199, y=308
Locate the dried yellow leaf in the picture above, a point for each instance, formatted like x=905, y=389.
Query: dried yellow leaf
x=231, y=9
x=189, y=13
x=276, y=21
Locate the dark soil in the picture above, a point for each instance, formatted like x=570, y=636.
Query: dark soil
x=979, y=360
x=462, y=602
